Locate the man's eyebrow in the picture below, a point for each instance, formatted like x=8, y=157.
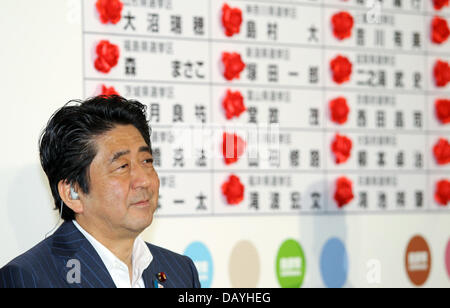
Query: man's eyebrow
x=145, y=149
x=119, y=155
x=122, y=153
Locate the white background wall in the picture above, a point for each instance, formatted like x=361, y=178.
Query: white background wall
x=41, y=69
x=40, y=63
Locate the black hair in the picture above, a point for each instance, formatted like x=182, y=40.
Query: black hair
x=67, y=146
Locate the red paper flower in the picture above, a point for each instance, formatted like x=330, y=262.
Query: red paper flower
x=342, y=148
x=233, y=190
x=344, y=192
x=442, y=194
x=233, y=104
x=339, y=110
x=443, y=110
x=439, y=4
x=233, y=65
x=341, y=69
x=108, y=56
x=441, y=73
x=109, y=91
x=439, y=30
x=442, y=152
x=109, y=10
x=233, y=148
x=342, y=24
x=231, y=20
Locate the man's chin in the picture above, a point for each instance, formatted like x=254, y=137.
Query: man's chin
x=139, y=223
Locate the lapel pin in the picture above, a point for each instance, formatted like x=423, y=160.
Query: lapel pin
x=161, y=277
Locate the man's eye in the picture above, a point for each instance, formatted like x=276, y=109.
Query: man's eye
x=123, y=166
x=149, y=161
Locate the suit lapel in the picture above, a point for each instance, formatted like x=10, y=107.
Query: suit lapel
x=68, y=243
x=150, y=275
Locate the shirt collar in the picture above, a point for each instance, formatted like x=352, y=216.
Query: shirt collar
x=141, y=256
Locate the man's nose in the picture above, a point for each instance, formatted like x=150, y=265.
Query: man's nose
x=140, y=177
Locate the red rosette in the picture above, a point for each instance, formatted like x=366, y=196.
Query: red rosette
x=233, y=190
x=342, y=24
x=439, y=4
x=442, y=194
x=442, y=107
x=341, y=148
x=439, y=30
x=233, y=148
x=341, y=69
x=109, y=91
x=107, y=56
x=233, y=65
x=339, y=110
x=441, y=152
x=109, y=10
x=231, y=20
x=233, y=104
x=344, y=192
x=441, y=73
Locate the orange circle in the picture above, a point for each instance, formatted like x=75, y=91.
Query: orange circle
x=418, y=260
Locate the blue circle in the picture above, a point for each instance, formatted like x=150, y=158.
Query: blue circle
x=334, y=264
x=201, y=256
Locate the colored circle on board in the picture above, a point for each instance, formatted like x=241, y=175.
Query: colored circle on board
x=245, y=266
x=201, y=256
x=418, y=260
x=447, y=259
x=334, y=264
x=290, y=265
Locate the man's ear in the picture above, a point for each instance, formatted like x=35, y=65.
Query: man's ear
x=69, y=199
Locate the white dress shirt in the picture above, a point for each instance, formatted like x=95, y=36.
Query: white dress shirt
x=141, y=259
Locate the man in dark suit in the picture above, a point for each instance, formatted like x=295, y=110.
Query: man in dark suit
x=98, y=159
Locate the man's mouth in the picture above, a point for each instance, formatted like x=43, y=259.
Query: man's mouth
x=142, y=203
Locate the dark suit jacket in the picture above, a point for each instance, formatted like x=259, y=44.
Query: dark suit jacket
x=46, y=265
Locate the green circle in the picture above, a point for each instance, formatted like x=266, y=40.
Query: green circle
x=291, y=265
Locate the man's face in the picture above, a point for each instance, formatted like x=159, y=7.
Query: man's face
x=124, y=186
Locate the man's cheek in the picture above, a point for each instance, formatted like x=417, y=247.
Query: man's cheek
x=117, y=194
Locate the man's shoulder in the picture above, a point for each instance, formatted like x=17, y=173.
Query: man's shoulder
x=159, y=252
x=41, y=265
x=176, y=265
x=25, y=268
x=33, y=255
